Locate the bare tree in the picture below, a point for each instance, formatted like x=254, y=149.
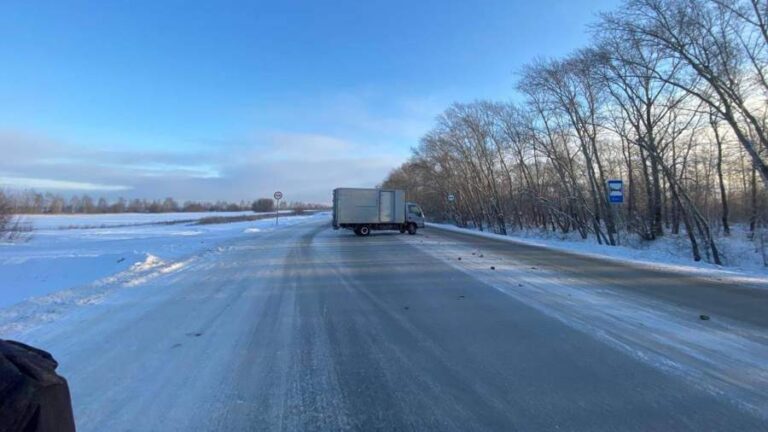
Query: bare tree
x=263, y=205
x=12, y=227
x=723, y=46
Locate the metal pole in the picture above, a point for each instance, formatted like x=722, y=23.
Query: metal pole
x=277, y=213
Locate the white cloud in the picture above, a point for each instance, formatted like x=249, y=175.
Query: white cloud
x=51, y=184
x=305, y=149
x=306, y=167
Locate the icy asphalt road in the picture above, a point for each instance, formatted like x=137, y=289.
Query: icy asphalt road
x=315, y=329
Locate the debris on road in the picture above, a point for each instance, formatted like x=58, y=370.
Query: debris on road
x=704, y=317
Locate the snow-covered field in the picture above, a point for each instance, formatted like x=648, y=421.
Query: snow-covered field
x=742, y=259
x=46, y=222
x=58, y=269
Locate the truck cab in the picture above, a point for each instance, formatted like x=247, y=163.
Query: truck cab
x=414, y=214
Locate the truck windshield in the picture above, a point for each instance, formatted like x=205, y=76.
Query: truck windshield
x=414, y=209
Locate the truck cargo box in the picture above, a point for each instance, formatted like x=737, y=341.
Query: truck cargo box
x=368, y=206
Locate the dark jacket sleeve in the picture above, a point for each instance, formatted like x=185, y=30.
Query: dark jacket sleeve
x=33, y=397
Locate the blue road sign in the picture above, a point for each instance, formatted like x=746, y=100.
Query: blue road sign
x=616, y=191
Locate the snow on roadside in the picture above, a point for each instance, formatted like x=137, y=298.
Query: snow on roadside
x=665, y=254
x=58, y=270
x=724, y=358
x=149, y=263
x=40, y=310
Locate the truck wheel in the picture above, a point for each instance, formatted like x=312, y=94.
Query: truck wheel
x=356, y=231
x=402, y=230
x=411, y=229
x=364, y=230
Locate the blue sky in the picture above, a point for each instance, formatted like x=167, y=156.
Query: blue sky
x=232, y=100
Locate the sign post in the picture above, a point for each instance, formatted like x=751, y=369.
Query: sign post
x=278, y=196
x=616, y=196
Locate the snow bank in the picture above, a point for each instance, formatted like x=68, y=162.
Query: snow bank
x=150, y=262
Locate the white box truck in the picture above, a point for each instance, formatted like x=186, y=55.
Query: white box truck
x=365, y=210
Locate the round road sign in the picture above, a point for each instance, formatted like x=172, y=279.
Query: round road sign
x=278, y=195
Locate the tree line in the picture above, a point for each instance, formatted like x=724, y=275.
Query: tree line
x=670, y=97
x=14, y=227
x=32, y=202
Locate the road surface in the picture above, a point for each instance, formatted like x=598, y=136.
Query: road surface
x=315, y=329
